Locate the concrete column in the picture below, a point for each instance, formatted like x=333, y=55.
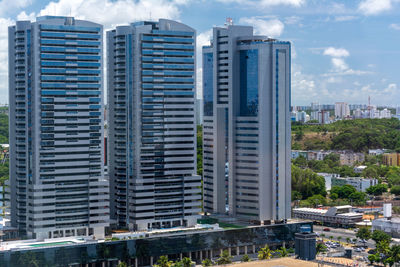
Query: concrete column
x=230, y=251
x=136, y=262
x=151, y=260
x=211, y=254
x=190, y=255
x=201, y=255
x=284, y=244
x=245, y=249
x=254, y=248
x=237, y=250
x=180, y=256
x=220, y=252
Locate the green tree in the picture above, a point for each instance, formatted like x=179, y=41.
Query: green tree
x=377, y=190
x=364, y=234
x=380, y=236
x=283, y=251
x=199, y=150
x=320, y=247
x=265, y=253
x=187, y=262
x=395, y=190
x=245, y=258
x=299, y=135
x=163, y=262
x=225, y=258
x=206, y=263
x=395, y=253
x=374, y=258
x=307, y=182
x=344, y=191
x=122, y=264
x=348, y=239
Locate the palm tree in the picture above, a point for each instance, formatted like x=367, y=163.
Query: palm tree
x=187, y=262
x=264, y=253
x=320, y=248
x=283, y=251
x=225, y=258
x=163, y=262
x=206, y=263
x=331, y=237
x=339, y=238
x=348, y=239
x=245, y=258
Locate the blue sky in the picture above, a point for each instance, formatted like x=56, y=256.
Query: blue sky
x=343, y=50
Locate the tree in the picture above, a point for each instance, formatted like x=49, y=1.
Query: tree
x=307, y=182
x=187, y=262
x=374, y=258
x=380, y=236
x=299, y=135
x=225, y=258
x=206, y=263
x=377, y=190
x=163, y=262
x=344, y=191
x=245, y=258
x=339, y=238
x=364, y=234
x=283, y=251
x=264, y=253
x=122, y=264
x=395, y=190
x=320, y=247
x=395, y=253
x=348, y=239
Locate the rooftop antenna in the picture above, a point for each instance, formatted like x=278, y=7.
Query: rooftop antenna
x=228, y=21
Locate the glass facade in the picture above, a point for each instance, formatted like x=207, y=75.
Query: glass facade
x=208, y=92
x=142, y=249
x=249, y=82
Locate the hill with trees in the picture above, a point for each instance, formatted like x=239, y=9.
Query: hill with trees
x=357, y=135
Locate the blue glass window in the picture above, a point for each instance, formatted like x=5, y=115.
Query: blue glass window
x=249, y=82
x=208, y=91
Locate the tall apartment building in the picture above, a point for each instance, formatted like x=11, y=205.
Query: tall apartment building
x=152, y=125
x=57, y=184
x=246, y=143
x=342, y=110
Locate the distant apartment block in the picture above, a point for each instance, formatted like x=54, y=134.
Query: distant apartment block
x=56, y=128
x=342, y=110
x=152, y=125
x=351, y=158
x=391, y=159
x=246, y=87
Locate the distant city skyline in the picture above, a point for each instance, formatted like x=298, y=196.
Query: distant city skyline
x=341, y=50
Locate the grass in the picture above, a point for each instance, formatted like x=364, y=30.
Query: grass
x=229, y=226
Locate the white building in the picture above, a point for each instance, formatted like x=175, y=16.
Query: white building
x=247, y=124
x=56, y=131
x=152, y=125
x=342, y=110
x=390, y=226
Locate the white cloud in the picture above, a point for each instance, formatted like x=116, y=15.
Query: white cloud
x=267, y=3
x=339, y=64
x=7, y=6
x=292, y=20
x=345, y=18
x=111, y=13
x=374, y=7
x=271, y=28
x=24, y=16
x=395, y=26
x=336, y=52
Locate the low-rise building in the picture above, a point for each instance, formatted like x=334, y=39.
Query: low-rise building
x=359, y=183
x=391, y=159
x=390, y=226
x=335, y=216
x=376, y=152
x=359, y=169
x=350, y=159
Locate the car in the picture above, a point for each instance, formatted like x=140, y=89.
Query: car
x=327, y=229
x=371, y=251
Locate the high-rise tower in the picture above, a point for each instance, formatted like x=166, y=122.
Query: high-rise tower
x=247, y=142
x=56, y=128
x=152, y=125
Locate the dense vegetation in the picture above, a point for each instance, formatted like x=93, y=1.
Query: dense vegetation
x=306, y=183
x=3, y=129
x=357, y=135
x=199, y=150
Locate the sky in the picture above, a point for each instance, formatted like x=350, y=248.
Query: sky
x=342, y=50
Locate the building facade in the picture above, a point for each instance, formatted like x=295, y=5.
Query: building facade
x=342, y=110
x=246, y=87
x=152, y=125
x=56, y=128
